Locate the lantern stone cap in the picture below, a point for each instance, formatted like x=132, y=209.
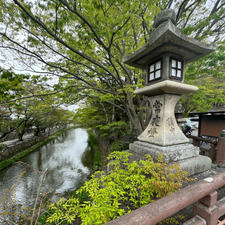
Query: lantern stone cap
x=167, y=38
x=166, y=87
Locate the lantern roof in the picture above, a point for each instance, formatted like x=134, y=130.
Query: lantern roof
x=167, y=38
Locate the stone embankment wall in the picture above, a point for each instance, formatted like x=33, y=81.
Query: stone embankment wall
x=10, y=149
x=7, y=152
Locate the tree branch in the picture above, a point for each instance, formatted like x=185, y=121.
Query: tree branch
x=98, y=39
x=57, y=67
x=41, y=24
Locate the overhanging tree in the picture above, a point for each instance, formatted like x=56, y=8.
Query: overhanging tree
x=209, y=75
x=84, y=42
x=19, y=112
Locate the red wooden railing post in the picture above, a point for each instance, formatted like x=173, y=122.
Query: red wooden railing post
x=206, y=208
x=195, y=142
x=210, y=209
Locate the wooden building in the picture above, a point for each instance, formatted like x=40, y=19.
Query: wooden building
x=211, y=122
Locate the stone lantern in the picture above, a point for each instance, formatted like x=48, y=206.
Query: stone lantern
x=163, y=61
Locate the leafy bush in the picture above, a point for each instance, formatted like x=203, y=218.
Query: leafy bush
x=119, y=145
x=113, y=129
x=125, y=187
x=2, y=146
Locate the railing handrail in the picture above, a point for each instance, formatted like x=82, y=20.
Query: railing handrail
x=202, y=139
x=169, y=205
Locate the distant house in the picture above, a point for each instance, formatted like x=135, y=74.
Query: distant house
x=211, y=122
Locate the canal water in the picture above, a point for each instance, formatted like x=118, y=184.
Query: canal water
x=60, y=162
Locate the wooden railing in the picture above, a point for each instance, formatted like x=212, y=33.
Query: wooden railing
x=207, y=209
x=215, y=147
x=207, y=145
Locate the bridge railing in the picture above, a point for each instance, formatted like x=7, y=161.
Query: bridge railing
x=207, y=208
x=206, y=144
x=213, y=147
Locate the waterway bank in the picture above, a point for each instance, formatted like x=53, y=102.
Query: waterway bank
x=22, y=149
x=52, y=172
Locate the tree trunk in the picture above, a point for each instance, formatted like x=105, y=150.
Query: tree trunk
x=132, y=114
x=20, y=136
x=37, y=131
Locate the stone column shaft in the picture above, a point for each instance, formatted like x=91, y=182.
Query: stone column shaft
x=163, y=129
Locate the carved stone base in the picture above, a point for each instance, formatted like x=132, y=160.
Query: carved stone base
x=195, y=165
x=171, y=153
x=187, y=155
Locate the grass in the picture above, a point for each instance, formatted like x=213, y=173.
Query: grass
x=33, y=148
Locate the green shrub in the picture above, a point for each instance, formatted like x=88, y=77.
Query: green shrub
x=2, y=146
x=125, y=187
x=92, y=142
x=113, y=129
x=118, y=145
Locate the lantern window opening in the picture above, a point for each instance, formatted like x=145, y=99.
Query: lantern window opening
x=176, y=68
x=155, y=70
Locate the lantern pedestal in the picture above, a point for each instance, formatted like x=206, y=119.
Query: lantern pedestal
x=163, y=135
x=193, y=165
x=172, y=153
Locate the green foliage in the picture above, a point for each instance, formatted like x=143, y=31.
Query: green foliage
x=208, y=74
x=126, y=186
x=89, y=40
x=101, y=119
x=92, y=142
x=88, y=117
x=22, y=107
x=175, y=220
x=113, y=128
x=211, y=94
x=212, y=65
x=118, y=145
x=11, y=84
x=2, y=146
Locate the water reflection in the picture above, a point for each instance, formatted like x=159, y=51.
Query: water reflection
x=62, y=160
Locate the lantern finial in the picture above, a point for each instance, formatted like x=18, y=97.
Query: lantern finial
x=166, y=14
